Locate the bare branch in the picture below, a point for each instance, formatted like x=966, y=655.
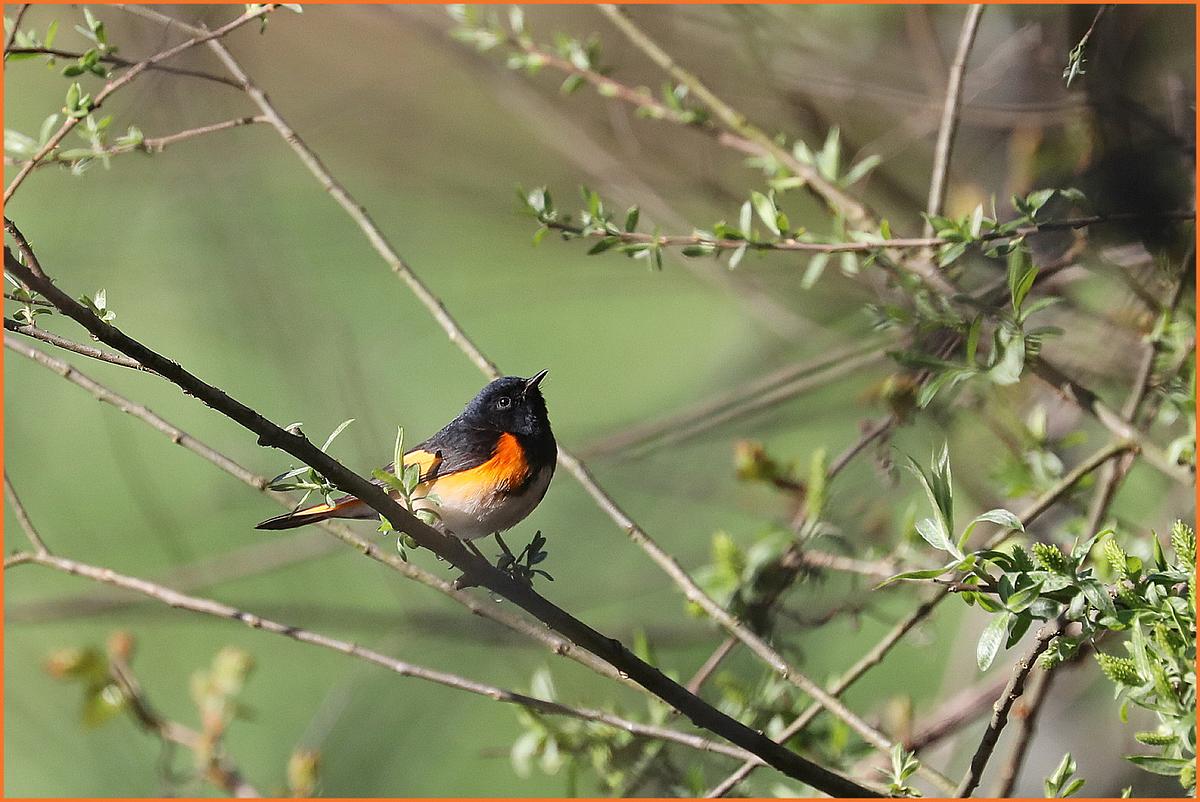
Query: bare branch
x=109, y=58
x=150, y=145
x=8, y=44
x=1026, y=715
x=217, y=609
x=945, y=139
x=18, y=509
x=71, y=345
x=1012, y=692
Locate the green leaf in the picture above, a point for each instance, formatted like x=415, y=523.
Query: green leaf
x=1020, y=600
x=631, y=219
x=542, y=685
x=603, y=245
x=336, y=432
x=1168, y=766
x=991, y=639
x=973, y=339
x=828, y=158
x=859, y=171
x=1000, y=516
x=764, y=207
x=735, y=258
x=925, y=573
x=816, y=266
x=1010, y=345
x=935, y=535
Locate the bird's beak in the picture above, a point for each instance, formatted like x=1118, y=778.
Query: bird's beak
x=535, y=380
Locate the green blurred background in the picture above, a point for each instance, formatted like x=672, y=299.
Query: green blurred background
x=226, y=255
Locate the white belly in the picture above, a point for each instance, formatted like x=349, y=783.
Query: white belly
x=473, y=515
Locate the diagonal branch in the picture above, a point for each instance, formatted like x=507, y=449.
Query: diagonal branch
x=945, y=140
x=855, y=213
x=388, y=558
x=16, y=26
x=121, y=63
x=149, y=145
x=448, y=548
x=71, y=345
x=217, y=609
x=18, y=509
x=1012, y=692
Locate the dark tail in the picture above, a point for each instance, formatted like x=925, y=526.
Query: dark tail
x=309, y=515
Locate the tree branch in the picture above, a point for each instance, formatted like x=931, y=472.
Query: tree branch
x=448, y=548
x=8, y=44
x=151, y=145
x=217, y=609
x=1012, y=692
x=71, y=345
x=119, y=62
x=945, y=139
x=855, y=213
x=18, y=509
x=1026, y=716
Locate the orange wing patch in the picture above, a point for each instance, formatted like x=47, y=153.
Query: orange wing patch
x=428, y=462
x=506, y=470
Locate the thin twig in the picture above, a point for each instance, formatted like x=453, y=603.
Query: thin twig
x=870, y=245
x=1026, y=715
x=109, y=58
x=1110, y=419
x=18, y=509
x=112, y=86
x=949, y=125
x=217, y=609
x=71, y=345
x=149, y=145
x=33, y=301
x=16, y=26
x=1012, y=692
x=447, y=547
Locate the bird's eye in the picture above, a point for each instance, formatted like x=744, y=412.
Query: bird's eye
x=503, y=402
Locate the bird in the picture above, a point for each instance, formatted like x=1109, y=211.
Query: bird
x=481, y=474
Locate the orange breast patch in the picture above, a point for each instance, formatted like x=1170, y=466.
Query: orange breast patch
x=506, y=470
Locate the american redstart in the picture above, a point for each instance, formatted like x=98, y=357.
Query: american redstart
x=488, y=468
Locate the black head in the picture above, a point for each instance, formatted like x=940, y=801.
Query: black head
x=511, y=404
